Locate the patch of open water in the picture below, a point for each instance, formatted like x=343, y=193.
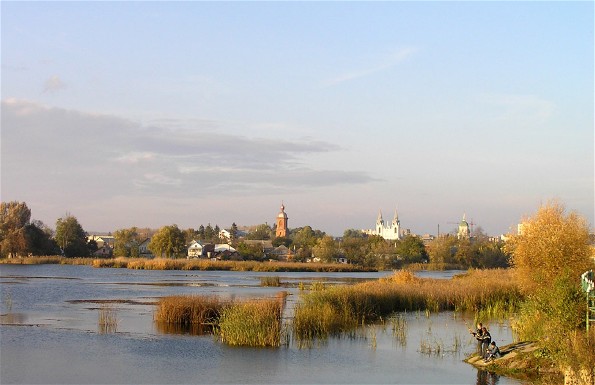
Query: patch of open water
x=50, y=334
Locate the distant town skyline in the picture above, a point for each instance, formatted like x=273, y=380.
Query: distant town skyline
x=150, y=113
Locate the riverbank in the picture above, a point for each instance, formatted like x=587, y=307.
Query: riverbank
x=525, y=361
x=191, y=264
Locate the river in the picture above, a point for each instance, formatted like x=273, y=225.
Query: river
x=49, y=334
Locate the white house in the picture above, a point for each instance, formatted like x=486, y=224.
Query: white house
x=195, y=249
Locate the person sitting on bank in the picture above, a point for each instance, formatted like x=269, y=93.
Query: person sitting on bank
x=492, y=352
x=485, y=340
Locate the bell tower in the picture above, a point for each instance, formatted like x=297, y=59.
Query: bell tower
x=281, y=223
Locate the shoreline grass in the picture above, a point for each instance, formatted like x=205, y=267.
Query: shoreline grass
x=335, y=310
x=189, y=264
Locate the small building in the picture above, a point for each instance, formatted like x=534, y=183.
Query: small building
x=143, y=249
x=195, y=249
x=102, y=240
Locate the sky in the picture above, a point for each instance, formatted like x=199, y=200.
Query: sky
x=156, y=113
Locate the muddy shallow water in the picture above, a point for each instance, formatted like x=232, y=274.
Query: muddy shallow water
x=50, y=334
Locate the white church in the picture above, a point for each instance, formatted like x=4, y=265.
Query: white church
x=390, y=231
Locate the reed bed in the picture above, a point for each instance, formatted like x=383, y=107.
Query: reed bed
x=338, y=309
x=107, y=320
x=271, y=281
x=252, y=323
x=190, y=310
x=188, y=264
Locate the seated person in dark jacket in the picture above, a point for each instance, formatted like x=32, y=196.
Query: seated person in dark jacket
x=486, y=338
x=492, y=352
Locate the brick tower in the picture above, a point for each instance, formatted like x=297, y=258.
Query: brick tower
x=281, y=223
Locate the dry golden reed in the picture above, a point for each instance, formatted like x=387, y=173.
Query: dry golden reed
x=189, y=310
x=337, y=309
x=252, y=323
x=189, y=264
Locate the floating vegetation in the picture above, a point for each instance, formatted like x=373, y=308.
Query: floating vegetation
x=108, y=320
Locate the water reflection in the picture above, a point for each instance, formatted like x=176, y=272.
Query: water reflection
x=191, y=329
x=487, y=378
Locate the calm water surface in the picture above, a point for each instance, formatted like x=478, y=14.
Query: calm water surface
x=50, y=334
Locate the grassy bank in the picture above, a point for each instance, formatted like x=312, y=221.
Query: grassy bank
x=339, y=309
x=189, y=264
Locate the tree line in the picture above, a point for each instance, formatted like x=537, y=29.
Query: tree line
x=21, y=236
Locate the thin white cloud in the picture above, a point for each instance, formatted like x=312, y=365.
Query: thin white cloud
x=387, y=62
x=100, y=156
x=53, y=84
x=525, y=109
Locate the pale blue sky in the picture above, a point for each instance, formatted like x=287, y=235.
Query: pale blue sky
x=153, y=113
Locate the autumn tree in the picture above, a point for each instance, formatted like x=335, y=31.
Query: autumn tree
x=443, y=249
x=549, y=255
x=71, y=237
x=127, y=242
x=169, y=241
x=551, y=244
x=14, y=217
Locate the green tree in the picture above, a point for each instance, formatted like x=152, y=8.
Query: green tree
x=305, y=238
x=250, y=252
x=326, y=249
x=354, y=249
x=233, y=232
x=262, y=232
x=71, y=237
x=169, y=242
x=353, y=233
x=190, y=235
x=209, y=233
x=127, y=242
x=14, y=217
x=411, y=249
x=39, y=239
x=278, y=241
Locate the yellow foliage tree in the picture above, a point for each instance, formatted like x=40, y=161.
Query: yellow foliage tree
x=551, y=245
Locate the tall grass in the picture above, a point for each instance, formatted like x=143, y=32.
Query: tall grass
x=337, y=309
x=189, y=264
x=273, y=281
x=107, y=320
x=197, y=314
x=252, y=323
